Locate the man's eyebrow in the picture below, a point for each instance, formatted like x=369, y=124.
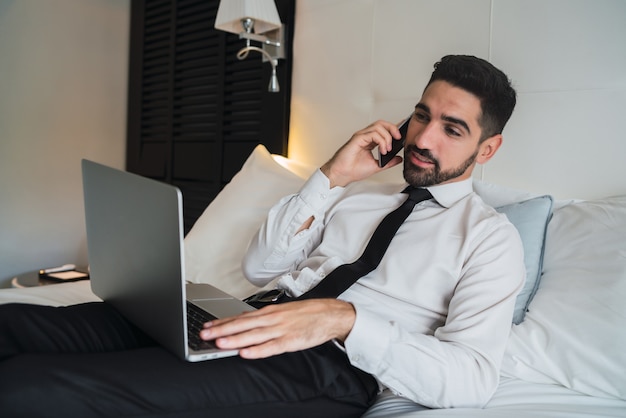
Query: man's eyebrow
x=423, y=107
x=457, y=121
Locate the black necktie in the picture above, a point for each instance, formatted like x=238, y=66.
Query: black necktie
x=345, y=275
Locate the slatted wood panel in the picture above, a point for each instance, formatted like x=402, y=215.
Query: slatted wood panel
x=195, y=111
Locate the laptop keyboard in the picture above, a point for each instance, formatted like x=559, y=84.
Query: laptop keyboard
x=196, y=317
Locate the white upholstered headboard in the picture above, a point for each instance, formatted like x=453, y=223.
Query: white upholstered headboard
x=356, y=61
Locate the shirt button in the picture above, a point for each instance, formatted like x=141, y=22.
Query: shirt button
x=323, y=196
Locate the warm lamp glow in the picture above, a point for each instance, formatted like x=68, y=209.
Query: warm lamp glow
x=298, y=168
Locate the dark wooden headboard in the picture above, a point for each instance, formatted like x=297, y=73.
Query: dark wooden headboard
x=195, y=112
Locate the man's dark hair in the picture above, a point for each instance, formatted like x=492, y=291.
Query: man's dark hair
x=490, y=85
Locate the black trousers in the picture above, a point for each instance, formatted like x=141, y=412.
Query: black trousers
x=87, y=361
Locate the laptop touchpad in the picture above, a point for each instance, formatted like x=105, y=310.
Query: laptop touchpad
x=221, y=308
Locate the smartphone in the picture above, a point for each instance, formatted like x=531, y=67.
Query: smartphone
x=396, y=144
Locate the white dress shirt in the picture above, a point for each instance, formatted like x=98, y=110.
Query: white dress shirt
x=433, y=319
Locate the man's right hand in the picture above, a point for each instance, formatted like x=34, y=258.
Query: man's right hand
x=354, y=160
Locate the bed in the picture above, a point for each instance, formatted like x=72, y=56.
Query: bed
x=566, y=356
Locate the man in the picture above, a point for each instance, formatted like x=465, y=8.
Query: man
x=430, y=322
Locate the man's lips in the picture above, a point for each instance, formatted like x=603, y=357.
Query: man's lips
x=420, y=160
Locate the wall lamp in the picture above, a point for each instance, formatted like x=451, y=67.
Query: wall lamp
x=255, y=20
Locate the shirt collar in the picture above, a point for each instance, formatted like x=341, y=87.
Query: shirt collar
x=450, y=193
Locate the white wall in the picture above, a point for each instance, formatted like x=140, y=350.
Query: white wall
x=63, y=84
x=360, y=60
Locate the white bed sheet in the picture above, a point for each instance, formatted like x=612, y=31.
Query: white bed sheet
x=54, y=295
x=514, y=398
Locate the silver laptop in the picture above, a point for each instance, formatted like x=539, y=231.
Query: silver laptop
x=136, y=258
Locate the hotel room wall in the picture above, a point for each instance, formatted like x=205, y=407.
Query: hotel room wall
x=360, y=60
x=63, y=75
x=63, y=84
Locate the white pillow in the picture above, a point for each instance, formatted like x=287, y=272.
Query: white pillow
x=496, y=195
x=574, y=332
x=216, y=244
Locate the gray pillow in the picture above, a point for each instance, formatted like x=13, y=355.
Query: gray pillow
x=530, y=217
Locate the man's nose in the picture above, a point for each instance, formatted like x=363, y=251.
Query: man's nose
x=425, y=137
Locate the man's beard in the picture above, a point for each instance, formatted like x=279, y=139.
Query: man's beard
x=421, y=177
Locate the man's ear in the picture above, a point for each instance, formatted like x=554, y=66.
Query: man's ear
x=488, y=148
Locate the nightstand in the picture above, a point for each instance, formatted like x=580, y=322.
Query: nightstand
x=32, y=279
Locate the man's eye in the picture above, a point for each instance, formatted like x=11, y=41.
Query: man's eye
x=452, y=131
x=421, y=117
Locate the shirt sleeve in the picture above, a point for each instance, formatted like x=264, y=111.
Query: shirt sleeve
x=457, y=366
x=278, y=247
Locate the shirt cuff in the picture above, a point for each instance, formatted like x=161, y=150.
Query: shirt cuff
x=316, y=192
x=368, y=340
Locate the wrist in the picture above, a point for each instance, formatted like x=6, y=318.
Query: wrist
x=334, y=179
x=326, y=170
x=348, y=317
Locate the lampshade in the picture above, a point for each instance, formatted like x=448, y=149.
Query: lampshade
x=231, y=12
